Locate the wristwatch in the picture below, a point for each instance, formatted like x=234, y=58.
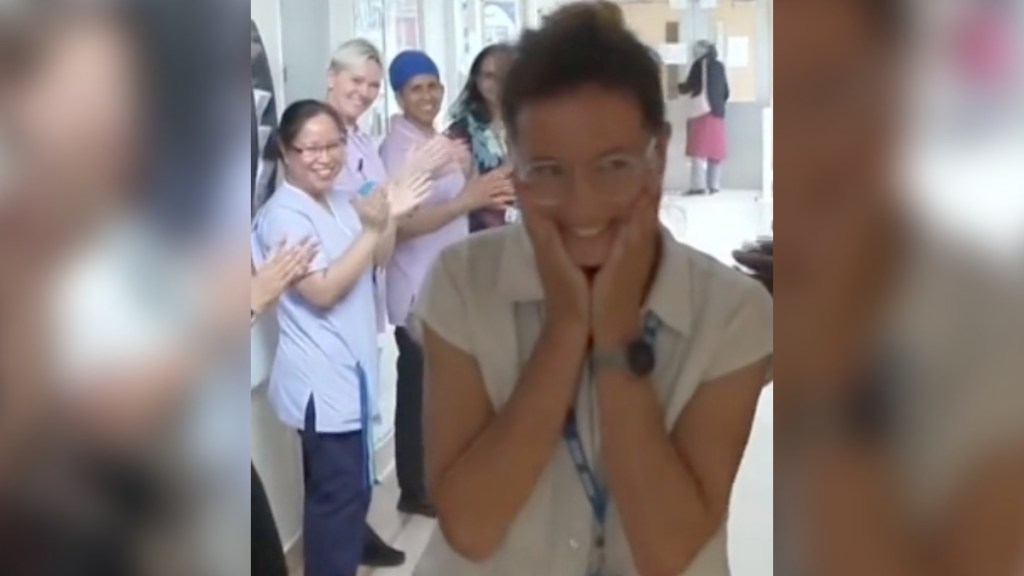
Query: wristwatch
x=637, y=358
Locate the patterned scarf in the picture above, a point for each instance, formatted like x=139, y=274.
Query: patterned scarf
x=488, y=144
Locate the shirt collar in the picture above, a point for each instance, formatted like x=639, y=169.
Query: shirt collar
x=519, y=281
x=402, y=125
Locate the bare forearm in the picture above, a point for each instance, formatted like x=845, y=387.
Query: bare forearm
x=481, y=494
x=431, y=218
x=664, y=513
x=385, y=246
x=341, y=276
x=855, y=515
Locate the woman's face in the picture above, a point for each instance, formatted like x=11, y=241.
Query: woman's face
x=76, y=112
x=421, y=98
x=354, y=89
x=315, y=159
x=587, y=175
x=492, y=75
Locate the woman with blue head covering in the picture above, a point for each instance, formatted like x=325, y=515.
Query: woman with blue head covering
x=438, y=223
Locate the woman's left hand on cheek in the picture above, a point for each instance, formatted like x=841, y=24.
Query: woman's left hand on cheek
x=620, y=288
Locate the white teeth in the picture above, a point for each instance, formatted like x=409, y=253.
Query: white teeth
x=587, y=232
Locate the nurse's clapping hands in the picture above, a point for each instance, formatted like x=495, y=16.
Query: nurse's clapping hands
x=405, y=195
x=430, y=158
x=285, y=267
x=462, y=155
x=374, y=210
x=492, y=190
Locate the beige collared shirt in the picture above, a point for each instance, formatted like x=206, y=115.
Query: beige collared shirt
x=485, y=297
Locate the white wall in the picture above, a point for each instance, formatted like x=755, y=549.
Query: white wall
x=275, y=449
x=439, y=41
x=267, y=15
x=306, y=48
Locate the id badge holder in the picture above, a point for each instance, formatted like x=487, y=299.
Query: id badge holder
x=597, y=565
x=366, y=189
x=511, y=215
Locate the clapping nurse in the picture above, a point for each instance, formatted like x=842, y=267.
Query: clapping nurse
x=323, y=380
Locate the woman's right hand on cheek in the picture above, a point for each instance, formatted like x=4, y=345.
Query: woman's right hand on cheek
x=566, y=292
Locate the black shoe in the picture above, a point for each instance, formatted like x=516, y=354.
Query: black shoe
x=377, y=553
x=714, y=191
x=694, y=192
x=416, y=507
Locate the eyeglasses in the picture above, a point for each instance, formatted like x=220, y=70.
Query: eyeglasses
x=549, y=181
x=318, y=151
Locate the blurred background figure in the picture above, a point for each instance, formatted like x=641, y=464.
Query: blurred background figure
x=114, y=204
x=986, y=43
x=900, y=444
x=477, y=122
x=705, y=134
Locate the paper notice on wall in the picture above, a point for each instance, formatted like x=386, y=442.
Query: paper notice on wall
x=674, y=54
x=737, y=52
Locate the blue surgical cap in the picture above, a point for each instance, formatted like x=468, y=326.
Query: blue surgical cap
x=408, y=65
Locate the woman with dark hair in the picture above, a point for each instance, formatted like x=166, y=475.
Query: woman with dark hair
x=283, y=269
x=590, y=381
x=323, y=380
x=706, y=147
x=477, y=121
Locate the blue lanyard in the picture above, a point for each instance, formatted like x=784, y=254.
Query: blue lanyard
x=595, y=492
x=366, y=421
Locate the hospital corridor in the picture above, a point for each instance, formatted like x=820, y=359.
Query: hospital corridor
x=717, y=201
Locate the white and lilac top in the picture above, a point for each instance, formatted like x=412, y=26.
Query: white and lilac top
x=414, y=257
x=364, y=171
x=329, y=356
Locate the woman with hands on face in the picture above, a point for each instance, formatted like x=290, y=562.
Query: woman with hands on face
x=413, y=145
x=590, y=381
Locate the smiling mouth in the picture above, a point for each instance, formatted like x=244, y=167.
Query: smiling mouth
x=586, y=233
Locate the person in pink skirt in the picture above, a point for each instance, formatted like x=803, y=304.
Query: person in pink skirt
x=705, y=135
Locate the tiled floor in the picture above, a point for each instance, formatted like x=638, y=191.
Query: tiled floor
x=716, y=225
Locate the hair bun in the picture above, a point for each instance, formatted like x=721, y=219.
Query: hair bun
x=599, y=12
